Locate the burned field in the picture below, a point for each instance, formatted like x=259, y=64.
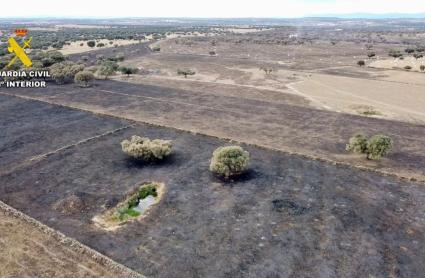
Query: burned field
x=288, y=217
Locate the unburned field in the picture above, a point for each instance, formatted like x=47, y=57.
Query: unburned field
x=288, y=217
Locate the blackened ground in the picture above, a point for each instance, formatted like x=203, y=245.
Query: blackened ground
x=30, y=128
x=288, y=217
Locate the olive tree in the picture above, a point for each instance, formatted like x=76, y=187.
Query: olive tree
x=107, y=68
x=229, y=161
x=145, y=149
x=128, y=70
x=375, y=148
x=84, y=78
x=65, y=71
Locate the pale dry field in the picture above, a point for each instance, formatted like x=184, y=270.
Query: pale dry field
x=75, y=47
x=391, y=63
x=377, y=98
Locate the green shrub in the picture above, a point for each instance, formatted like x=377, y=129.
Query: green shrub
x=379, y=146
x=65, y=71
x=374, y=148
x=128, y=70
x=357, y=144
x=84, y=78
x=361, y=63
x=185, y=72
x=91, y=43
x=229, y=161
x=156, y=49
x=108, y=68
x=146, y=149
x=422, y=67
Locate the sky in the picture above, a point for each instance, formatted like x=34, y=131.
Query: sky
x=201, y=8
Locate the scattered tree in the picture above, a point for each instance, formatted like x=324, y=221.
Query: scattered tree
x=374, y=148
x=91, y=43
x=229, y=161
x=65, y=71
x=185, y=72
x=128, y=70
x=146, y=149
x=409, y=50
x=84, y=78
x=267, y=70
x=418, y=56
x=108, y=68
x=395, y=53
x=371, y=55
x=361, y=63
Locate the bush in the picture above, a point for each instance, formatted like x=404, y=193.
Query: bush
x=395, y=53
x=379, y=146
x=84, y=78
x=422, y=67
x=108, y=68
x=146, y=149
x=91, y=43
x=361, y=63
x=229, y=161
x=185, y=72
x=407, y=67
x=101, y=44
x=156, y=49
x=374, y=148
x=128, y=71
x=357, y=144
x=65, y=72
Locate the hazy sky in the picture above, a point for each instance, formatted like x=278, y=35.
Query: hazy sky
x=201, y=8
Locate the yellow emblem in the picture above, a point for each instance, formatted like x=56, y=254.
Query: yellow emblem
x=19, y=51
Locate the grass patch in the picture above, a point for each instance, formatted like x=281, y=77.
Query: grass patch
x=128, y=209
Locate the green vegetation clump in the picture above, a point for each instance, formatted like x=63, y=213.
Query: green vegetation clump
x=185, y=72
x=91, y=43
x=146, y=149
x=395, y=53
x=156, y=48
x=128, y=70
x=229, y=161
x=84, y=78
x=422, y=67
x=361, y=63
x=107, y=68
x=65, y=71
x=374, y=148
x=379, y=146
x=128, y=209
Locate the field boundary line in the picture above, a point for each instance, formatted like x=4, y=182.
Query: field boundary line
x=285, y=151
x=73, y=244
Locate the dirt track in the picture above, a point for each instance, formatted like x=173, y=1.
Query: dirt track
x=289, y=217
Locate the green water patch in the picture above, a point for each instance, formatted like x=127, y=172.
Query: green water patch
x=137, y=204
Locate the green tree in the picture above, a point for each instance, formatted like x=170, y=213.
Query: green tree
x=128, y=70
x=84, y=78
x=65, y=71
x=108, y=68
x=91, y=43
